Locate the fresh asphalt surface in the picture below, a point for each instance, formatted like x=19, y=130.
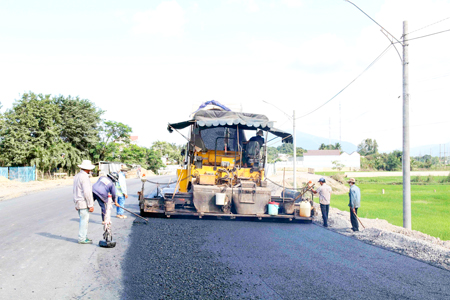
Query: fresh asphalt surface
x=188, y=258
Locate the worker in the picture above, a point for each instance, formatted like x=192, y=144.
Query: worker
x=103, y=187
x=354, y=203
x=324, y=192
x=257, y=138
x=122, y=193
x=84, y=202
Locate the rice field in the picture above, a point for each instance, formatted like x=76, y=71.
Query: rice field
x=430, y=205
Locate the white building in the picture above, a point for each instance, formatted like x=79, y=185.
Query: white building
x=324, y=159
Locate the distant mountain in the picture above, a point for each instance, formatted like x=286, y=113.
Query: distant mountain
x=312, y=142
x=430, y=149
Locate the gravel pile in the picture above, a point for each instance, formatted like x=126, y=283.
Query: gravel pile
x=178, y=267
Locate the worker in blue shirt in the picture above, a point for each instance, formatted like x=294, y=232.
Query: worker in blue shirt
x=104, y=186
x=354, y=203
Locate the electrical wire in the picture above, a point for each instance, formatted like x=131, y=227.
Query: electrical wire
x=367, y=68
x=432, y=78
x=399, y=127
x=429, y=25
x=419, y=37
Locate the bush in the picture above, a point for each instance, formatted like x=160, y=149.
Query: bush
x=416, y=179
x=339, y=177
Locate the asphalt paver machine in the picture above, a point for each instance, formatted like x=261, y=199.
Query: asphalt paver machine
x=223, y=173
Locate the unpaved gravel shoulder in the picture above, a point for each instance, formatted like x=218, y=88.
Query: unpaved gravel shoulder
x=378, y=232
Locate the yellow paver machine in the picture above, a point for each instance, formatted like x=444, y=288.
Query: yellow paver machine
x=223, y=172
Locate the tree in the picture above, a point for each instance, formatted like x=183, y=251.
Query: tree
x=286, y=148
x=272, y=154
x=367, y=147
x=336, y=146
x=153, y=160
x=81, y=121
x=134, y=155
x=394, y=161
x=300, y=151
x=337, y=165
x=32, y=122
x=111, y=133
x=48, y=132
x=171, y=151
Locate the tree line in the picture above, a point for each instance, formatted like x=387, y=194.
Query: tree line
x=53, y=132
x=373, y=160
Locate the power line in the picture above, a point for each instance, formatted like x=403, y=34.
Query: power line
x=419, y=37
x=397, y=127
x=368, y=67
x=432, y=78
x=429, y=25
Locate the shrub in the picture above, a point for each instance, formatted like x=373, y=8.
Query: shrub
x=339, y=177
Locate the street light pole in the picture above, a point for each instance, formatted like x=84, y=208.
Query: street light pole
x=406, y=153
x=295, y=150
x=406, y=158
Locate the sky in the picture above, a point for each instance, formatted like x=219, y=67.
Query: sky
x=149, y=63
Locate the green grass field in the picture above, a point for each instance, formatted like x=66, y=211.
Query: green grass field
x=429, y=209
x=331, y=173
x=420, y=180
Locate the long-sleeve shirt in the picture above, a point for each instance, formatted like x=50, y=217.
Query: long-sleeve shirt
x=82, y=191
x=121, y=185
x=102, y=187
x=354, y=197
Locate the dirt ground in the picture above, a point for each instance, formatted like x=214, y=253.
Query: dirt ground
x=376, y=232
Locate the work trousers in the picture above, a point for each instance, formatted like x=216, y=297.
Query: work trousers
x=354, y=220
x=101, y=204
x=121, y=202
x=84, y=221
x=325, y=208
x=107, y=215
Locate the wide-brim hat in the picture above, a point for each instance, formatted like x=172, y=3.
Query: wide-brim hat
x=86, y=165
x=124, y=168
x=351, y=180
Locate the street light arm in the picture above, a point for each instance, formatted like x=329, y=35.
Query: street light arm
x=290, y=117
x=393, y=44
x=373, y=20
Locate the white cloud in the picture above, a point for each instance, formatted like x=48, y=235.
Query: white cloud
x=251, y=5
x=292, y=3
x=166, y=20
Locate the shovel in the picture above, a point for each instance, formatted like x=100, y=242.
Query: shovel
x=360, y=221
x=132, y=213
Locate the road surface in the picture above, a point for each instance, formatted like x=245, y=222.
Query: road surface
x=188, y=258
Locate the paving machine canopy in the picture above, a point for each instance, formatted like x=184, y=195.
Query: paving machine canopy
x=222, y=118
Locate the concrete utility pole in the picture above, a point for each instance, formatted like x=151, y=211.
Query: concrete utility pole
x=295, y=151
x=406, y=157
